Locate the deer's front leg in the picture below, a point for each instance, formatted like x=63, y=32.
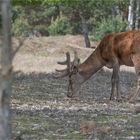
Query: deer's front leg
x=115, y=83
x=112, y=96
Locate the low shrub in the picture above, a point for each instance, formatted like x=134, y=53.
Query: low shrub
x=61, y=26
x=109, y=25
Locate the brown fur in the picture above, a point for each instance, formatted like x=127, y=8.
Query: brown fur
x=120, y=46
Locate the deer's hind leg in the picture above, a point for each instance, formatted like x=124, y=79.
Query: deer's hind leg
x=136, y=61
x=115, y=82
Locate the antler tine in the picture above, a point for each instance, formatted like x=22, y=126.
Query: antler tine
x=66, y=61
x=61, y=74
x=60, y=70
x=64, y=72
x=76, y=60
x=62, y=63
x=75, y=55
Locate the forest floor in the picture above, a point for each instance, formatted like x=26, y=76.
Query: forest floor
x=42, y=111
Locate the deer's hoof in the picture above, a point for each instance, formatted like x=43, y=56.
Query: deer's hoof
x=69, y=96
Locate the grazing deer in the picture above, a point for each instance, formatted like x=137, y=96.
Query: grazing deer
x=113, y=51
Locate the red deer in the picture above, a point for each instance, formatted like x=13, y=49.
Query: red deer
x=114, y=50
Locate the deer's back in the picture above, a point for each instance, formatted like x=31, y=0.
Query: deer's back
x=120, y=46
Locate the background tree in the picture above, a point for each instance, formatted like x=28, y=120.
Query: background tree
x=91, y=18
x=7, y=56
x=133, y=14
x=6, y=73
x=137, y=22
x=0, y=23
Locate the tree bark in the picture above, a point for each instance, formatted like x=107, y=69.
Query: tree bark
x=134, y=14
x=6, y=73
x=85, y=31
x=137, y=23
x=131, y=14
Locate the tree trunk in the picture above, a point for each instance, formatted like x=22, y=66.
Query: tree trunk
x=115, y=11
x=134, y=14
x=6, y=73
x=131, y=14
x=137, y=23
x=85, y=31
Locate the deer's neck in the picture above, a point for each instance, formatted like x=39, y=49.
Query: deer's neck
x=91, y=65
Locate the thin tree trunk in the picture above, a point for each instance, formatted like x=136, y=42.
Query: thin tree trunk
x=6, y=73
x=131, y=14
x=85, y=31
x=0, y=21
x=137, y=14
x=134, y=13
x=115, y=11
x=58, y=11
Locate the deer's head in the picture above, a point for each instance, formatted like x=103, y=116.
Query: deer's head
x=72, y=71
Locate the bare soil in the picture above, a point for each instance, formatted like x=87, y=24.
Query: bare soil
x=41, y=109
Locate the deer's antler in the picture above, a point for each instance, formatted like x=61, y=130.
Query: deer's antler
x=64, y=72
x=70, y=65
x=76, y=60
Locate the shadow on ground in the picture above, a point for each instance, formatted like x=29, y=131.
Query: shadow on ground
x=41, y=109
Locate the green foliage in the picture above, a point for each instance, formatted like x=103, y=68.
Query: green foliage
x=45, y=2
x=109, y=25
x=60, y=26
x=42, y=30
x=60, y=17
x=32, y=18
x=27, y=2
x=21, y=27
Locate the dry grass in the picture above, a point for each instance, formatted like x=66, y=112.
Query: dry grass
x=42, y=54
